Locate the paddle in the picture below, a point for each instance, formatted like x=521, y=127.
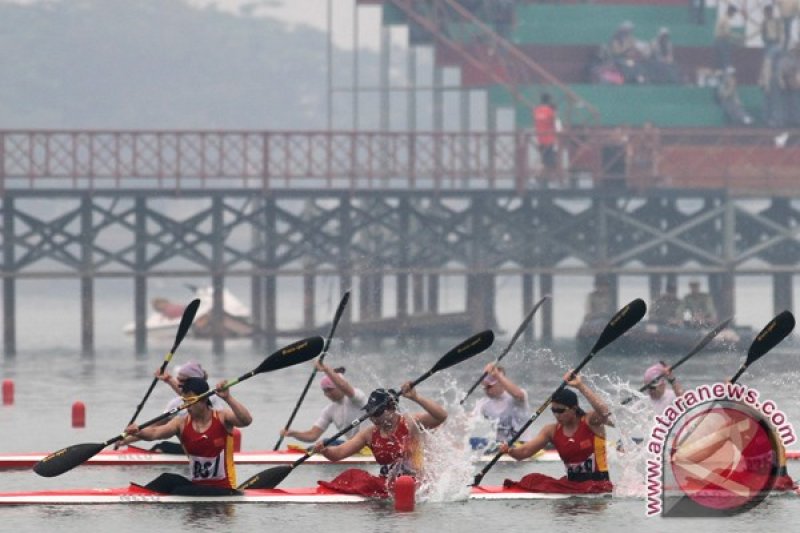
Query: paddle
x=699, y=346
x=519, y=331
x=183, y=329
x=769, y=337
x=336, y=318
x=621, y=322
x=270, y=478
x=68, y=458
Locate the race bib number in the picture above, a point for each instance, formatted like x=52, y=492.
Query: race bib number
x=207, y=468
x=586, y=467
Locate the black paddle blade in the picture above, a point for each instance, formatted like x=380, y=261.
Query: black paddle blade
x=773, y=333
x=186, y=322
x=472, y=346
x=625, y=319
x=298, y=352
x=267, y=479
x=67, y=458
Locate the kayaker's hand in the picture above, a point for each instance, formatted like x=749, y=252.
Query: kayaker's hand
x=319, y=365
x=503, y=447
x=132, y=429
x=287, y=432
x=573, y=381
x=222, y=392
x=409, y=391
x=163, y=376
x=119, y=444
x=318, y=446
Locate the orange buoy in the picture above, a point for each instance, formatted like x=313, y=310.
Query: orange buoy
x=8, y=392
x=78, y=415
x=237, y=440
x=404, y=488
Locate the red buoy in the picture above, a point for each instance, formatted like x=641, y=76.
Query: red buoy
x=237, y=440
x=78, y=415
x=8, y=392
x=404, y=488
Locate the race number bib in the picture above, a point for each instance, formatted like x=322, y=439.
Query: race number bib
x=207, y=468
x=586, y=467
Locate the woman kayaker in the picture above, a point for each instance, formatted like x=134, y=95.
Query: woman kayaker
x=206, y=435
x=346, y=404
x=505, y=404
x=661, y=396
x=579, y=437
x=395, y=440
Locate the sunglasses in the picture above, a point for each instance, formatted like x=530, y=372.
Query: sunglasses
x=559, y=410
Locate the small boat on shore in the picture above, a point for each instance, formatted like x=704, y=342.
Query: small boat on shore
x=166, y=316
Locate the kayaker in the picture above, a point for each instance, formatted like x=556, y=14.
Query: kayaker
x=206, y=435
x=394, y=438
x=190, y=369
x=346, y=405
x=600, y=302
x=505, y=404
x=661, y=396
x=579, y=437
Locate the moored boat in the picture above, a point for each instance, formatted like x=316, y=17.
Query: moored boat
x=657, y=338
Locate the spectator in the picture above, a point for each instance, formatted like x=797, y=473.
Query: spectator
x=787, y=79
x=662, y=59
x=728, y=97
x=545, y=121
x=626, y=53
x=724, y=37
x=697, y=11
x=602, y=69
x=789, y=9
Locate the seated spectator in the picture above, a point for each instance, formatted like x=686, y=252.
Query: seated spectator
x=728, y=97
x=602, y=68
x=627, y=54
x=662, y=60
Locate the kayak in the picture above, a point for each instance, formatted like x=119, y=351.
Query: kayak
x=134, y=456
x=138, y=494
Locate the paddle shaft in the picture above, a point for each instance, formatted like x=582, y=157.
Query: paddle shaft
x=517, y=334
x=336, y=318
x=183, y=328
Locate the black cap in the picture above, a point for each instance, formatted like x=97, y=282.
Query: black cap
x=380, y=399
x=195, y=385
x=565, y=397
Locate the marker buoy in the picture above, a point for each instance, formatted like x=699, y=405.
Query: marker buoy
x=404, y=488
x=8, y=392
x=237, y=440
x=78, y=415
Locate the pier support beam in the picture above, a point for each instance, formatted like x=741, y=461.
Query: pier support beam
x=782, y=292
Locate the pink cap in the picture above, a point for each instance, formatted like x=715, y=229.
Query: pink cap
x=191, y=369
x=653, y=372
x=327, y=383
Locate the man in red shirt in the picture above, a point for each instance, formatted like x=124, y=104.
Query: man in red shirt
x=545, y=124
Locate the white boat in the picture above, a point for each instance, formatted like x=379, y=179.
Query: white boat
x=166, y=316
